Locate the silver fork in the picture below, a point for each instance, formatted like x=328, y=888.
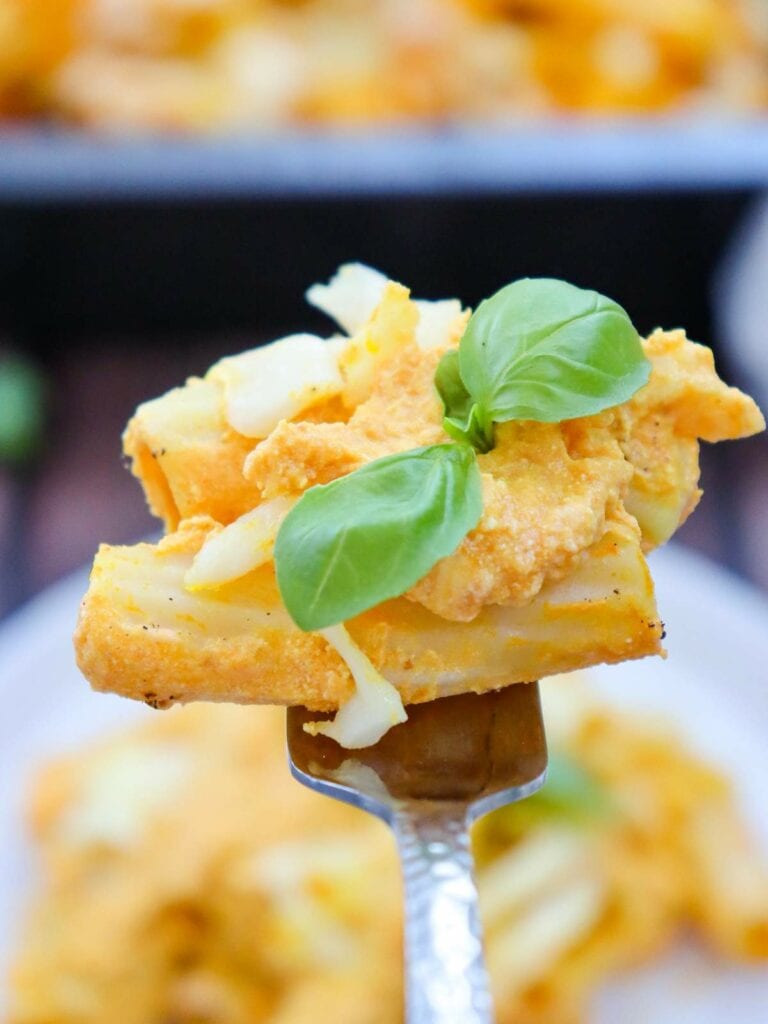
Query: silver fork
x=453, y=760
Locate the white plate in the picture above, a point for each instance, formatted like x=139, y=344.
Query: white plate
x=714, y=685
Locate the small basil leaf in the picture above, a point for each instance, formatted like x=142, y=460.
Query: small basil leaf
x=463, y=418
x=572, y=791
x=542, y=349
x=456, y=400
x=22, y=398
x=472, y=431
x=570, y=794
x=369, y=536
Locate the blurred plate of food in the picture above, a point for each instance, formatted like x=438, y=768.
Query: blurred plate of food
x=202, y=66
x=179, y=873
x=124, y=97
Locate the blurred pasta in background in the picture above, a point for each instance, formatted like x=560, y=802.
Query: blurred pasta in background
x=224, y=65
x=187, y=878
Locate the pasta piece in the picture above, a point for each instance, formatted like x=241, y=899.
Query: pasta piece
x=168, y=645
x=523, y=952
x=730, y=900
x=188, y=458
x=531, y=868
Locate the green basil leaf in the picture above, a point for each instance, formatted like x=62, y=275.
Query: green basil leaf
x=456, y=400
x=369, y=536
x=572, y=791
x=542, y=349
x=463, y=418
x=570, y=795
x=21, y=410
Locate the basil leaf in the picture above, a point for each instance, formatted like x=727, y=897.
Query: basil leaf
x=369, y=536
x=542, y=349
x=571, y=791
x=570, y=795
x=21, y=410
x=463, y=418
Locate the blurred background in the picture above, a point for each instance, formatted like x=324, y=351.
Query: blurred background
x=174, y=174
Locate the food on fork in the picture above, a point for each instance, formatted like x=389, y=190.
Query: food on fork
x=428, y=503
x=175, y=889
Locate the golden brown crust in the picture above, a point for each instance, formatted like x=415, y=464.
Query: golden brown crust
x=542, y=509
x=297, y=456
x=684, y=384
x=142, y=635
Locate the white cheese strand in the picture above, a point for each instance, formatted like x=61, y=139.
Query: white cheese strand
x=240, y=547
x=277, y=381
x=350, y=297
x=437, y=322
x=354, y=292
x=374, y=707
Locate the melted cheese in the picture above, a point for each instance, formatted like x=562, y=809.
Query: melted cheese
x=239, y=548
x=350, y=297
x=374, y=707
x=133, y=785
x=390, y=330
x=277, y=381
x=440, y=323
x=353, y=293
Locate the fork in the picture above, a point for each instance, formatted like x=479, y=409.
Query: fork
x=454, y=760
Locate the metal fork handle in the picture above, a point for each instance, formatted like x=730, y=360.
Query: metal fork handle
x=446, y=977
